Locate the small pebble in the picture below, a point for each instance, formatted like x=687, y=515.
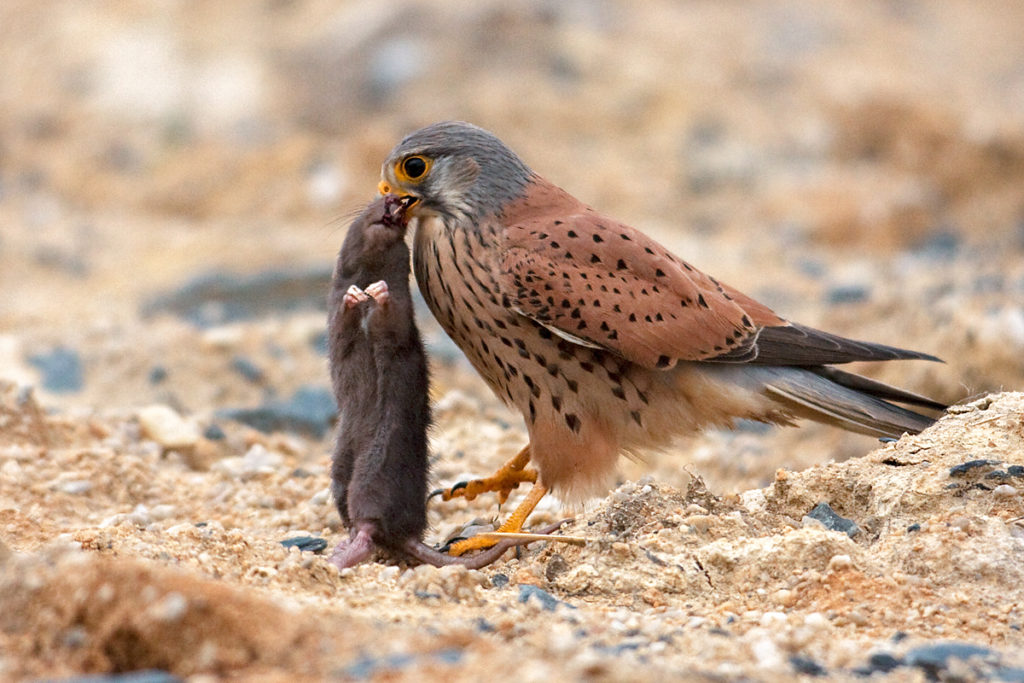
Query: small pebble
x=247, y=369
x=883, y=661
x=824, y=513
x=1004, y=491
x=76, y=487
x=839, y=563
x=162, y=424
x=546, y=600
x=785, y=597
x=816, y=620
x=963, y=468
x=308, y=543
x=807, y=666
x=773, y=619
x=213, y=432
x=223, y=337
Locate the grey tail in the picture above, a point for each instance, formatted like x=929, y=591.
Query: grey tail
x=849, y=401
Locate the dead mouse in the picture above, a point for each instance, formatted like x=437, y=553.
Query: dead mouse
x=379, y=372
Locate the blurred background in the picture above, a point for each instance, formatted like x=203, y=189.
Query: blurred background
x=176, y=177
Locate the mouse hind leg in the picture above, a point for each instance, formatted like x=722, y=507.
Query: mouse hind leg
x=341, y=476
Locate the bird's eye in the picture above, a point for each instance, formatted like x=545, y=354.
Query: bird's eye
x=415, y=167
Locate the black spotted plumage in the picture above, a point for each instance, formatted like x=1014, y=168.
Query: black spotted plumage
x=620, y=344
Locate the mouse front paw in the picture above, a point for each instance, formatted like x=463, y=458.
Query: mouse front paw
x=354, y=296
x=379, y=291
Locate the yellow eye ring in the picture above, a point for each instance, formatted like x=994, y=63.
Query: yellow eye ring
x=413, y=169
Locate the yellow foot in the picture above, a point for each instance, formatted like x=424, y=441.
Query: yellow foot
x=504, y=481
x=513, y=524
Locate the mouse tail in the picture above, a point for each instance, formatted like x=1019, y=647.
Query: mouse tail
x=427, y=555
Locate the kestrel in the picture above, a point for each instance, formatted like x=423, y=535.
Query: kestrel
x=603, y=339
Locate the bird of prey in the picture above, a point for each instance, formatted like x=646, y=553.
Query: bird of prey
x=602, y=338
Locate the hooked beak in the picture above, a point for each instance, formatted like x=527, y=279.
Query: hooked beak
x=408, y=200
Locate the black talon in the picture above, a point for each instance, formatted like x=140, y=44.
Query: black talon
x=460, y=485
x=435, y=492
x=451, y=541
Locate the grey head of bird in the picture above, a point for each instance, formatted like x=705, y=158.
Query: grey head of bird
x=454, y=170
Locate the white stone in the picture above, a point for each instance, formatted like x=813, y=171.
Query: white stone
x=1004, y=491
x=76, y=487
x=258, y=460
x=840, y=562
x=773, y=619
x=816, y=620
x=223, y=337
x=163, y=425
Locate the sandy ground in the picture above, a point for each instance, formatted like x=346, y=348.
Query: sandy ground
x=151, y=563
x=174, y=185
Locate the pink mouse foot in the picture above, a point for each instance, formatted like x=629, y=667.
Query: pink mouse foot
x=353, y=550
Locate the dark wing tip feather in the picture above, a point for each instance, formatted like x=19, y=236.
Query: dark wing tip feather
x=877, y=389
x=857, y=406
x=795, y=344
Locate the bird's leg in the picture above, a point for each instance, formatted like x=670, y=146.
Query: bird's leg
x=513, y=524
x=508, y=477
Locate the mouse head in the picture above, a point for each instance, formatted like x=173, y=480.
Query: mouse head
x=381, y=226
x=396, y=211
